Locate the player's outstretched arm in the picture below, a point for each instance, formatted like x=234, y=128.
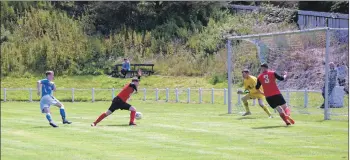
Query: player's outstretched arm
x=139, y=74
x=281, y=78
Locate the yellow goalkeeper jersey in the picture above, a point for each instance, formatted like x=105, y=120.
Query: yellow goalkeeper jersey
x=250, y=83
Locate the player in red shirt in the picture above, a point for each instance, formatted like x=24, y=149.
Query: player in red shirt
x=267, y=79
x=120, y=101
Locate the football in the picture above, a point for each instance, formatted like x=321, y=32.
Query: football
x=138, y=115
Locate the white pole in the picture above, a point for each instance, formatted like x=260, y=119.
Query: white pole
x=177, y=95
x=30, y=95
x=200, y=95
x=113, y=93
x=239, y=99
x=288, y=97
x=72, y=94
x=93, y=94
x=188, y=95
x=144, y=94
x=156, y=94
x=306, y=98
x=212, y=96
x=225, y=96
x=167, y=95
x=326, y=113
x=229, y=61
x=5, y=95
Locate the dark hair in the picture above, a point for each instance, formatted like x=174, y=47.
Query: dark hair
x=48, y=73
x=264, y=65
x=245, y=71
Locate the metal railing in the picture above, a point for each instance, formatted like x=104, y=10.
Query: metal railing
x=177, y=95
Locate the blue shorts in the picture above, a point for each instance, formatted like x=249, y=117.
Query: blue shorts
x=46, y=101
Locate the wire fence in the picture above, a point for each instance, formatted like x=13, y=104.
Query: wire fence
x=302, y=101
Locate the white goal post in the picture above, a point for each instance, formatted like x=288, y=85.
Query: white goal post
x=230, y=54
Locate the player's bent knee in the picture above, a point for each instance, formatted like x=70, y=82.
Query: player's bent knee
x=261, y=103
x=284, y=106
x=59, y=104
x=108, y=112
x=132, y=108
x=279, y=109
x=46, y=110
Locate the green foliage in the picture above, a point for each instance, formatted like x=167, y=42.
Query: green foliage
x=182, y=38
x=217, y=78
x=278, y=15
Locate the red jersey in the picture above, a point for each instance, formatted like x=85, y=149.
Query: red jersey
x=127, y=91
x=268, y=81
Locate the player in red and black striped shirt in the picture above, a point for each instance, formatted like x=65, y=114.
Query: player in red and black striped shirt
x=120, y=101
x=267, y=79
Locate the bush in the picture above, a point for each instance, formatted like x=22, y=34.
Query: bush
x=217, y=78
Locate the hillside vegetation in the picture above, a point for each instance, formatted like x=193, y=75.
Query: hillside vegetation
x=180, y=38
x=83, y=38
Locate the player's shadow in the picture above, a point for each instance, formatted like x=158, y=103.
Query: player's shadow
x=116, y=125
x=226, y=114
x=242, y=118
x=269, y=127
x=42, y=127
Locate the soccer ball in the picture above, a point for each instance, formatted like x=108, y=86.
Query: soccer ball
x=138, y=115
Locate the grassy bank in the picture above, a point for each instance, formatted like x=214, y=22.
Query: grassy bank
x=104, y=81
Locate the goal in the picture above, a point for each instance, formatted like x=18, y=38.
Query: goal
x=307, y=56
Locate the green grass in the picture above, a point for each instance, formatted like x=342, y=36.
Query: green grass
x=167, y=131
x=104, y=81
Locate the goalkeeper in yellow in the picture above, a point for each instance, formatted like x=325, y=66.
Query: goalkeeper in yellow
x=249, y=84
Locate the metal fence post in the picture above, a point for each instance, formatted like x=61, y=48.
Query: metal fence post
x=93, y=94
x=176, y=95
x=225, y=96
x=200, y=95
x=157, y=94
x=144, y=94
x=72, y=94
x=113, y=93
x=5, y=95
x=239, y=98
x=288, y=97
x=212, y=96
x=326, y=94
x=188, y=95
x=167, y=95
x=30, y=95
x=306, y=98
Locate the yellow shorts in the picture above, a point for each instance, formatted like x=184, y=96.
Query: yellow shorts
x=256, y=96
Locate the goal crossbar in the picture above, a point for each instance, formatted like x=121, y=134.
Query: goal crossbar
x=230, y=37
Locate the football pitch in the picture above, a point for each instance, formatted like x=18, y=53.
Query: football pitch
x=167, y=131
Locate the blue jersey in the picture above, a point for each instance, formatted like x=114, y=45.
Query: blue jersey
x=47, y=87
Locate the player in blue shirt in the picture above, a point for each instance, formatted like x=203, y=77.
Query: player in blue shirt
x=47, y=86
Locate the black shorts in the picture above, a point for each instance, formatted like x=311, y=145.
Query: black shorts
x=118, y=103
x=275, y=101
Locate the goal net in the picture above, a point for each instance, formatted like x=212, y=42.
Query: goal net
x=308, y=57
